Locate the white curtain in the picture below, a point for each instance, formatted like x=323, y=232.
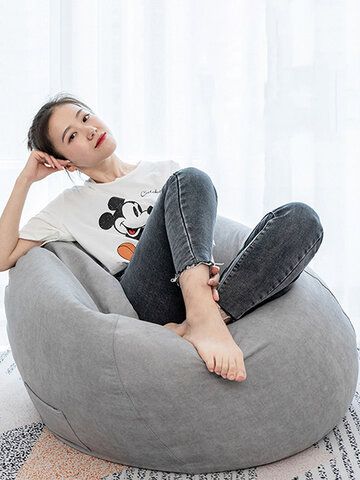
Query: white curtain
x=262, y=94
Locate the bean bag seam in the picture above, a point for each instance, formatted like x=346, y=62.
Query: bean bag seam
x=329, y=292
x=133, y=404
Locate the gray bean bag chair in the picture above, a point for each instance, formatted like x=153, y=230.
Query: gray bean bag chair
x=116, y=387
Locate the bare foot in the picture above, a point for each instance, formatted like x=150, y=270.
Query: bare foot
x=178, y=328
x=213, y=342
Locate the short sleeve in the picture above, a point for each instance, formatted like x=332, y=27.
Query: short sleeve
x=48, y=224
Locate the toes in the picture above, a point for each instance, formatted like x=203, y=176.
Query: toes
x=228, y=368
x=241, y=375
x=225, y=367
x=211, y=364
x=232, y=370
x=238, y=372
x=240, y=368
x=218, y=366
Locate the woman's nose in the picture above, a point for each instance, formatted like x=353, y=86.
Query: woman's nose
x=92, y=134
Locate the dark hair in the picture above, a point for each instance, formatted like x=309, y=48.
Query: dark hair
x=38, y=134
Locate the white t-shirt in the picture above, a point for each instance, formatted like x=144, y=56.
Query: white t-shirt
x=106, y=219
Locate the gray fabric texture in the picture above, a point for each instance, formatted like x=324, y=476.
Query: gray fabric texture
x=133, y=392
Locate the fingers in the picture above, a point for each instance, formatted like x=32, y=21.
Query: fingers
x=214, y=290
x=214, y=268
x=48, y=159
x=215, y=294
x=55, y=163
x=213, y=281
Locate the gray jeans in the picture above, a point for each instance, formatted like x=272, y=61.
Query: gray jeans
x=179, y=233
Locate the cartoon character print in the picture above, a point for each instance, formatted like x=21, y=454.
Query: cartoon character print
x=129, y=219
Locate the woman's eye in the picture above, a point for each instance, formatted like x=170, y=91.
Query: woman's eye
x=70, y=138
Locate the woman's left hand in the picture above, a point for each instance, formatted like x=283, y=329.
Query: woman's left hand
x=214, y=281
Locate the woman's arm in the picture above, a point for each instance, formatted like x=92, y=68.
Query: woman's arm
x=10, y=220
x=38, y=167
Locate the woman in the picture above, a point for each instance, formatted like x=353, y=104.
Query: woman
x=176, y=236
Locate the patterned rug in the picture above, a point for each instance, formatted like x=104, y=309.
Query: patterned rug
x=29, y=451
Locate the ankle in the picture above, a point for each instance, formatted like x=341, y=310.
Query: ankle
x=225, y=316
x=194, y=275
x=202, y=308
x=197, y=296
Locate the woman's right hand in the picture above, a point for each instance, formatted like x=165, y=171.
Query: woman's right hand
x=36, y=169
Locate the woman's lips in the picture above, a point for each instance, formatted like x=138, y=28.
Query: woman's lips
x=101, y=139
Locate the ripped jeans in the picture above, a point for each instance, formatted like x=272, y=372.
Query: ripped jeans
x=179, y=235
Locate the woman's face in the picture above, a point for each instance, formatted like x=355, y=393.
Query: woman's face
x=77, y=143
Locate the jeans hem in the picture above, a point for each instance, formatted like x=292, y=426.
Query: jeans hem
x=176, y=277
